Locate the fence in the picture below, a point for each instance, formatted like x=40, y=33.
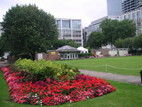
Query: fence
x=105, y=66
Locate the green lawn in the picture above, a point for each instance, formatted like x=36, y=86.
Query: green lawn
x=120, y=65
x=126, y=95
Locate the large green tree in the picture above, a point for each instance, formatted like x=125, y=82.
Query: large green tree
x=114, y=29
x=128, y=42
x=95, y=40
x=137, y=41
x=28, y=29
x=119, y=43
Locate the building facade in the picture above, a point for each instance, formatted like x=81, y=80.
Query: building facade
x=136, y=16
x=114, y=7
x=94, y=27
x=70, y=29
x=130, y=5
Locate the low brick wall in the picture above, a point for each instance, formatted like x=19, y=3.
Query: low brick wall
x=52, y=55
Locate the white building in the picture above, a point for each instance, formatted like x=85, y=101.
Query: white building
x=70, y=29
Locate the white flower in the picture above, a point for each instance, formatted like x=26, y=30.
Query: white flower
x=87, y=96
x=70, y=101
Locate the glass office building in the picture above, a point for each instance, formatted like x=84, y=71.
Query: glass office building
x=70, y=29
x=136, y=16
x=114, y=7
x=130, y=5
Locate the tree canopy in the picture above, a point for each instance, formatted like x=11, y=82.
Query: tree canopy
x=28, y=29
x=62, y=42
x=114, y=29
x=137, y=41
x=95, y=40
x=119, y=43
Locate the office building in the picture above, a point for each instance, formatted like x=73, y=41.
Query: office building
x=130, y=5
x=136, y=16
x=70, y=29
x=94, y=27
x=114, y=7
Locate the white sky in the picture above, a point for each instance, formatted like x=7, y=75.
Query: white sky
x=86, y=10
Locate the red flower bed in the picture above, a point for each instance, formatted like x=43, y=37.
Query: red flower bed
x=55, y=92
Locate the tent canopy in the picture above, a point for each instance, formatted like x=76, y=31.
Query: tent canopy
x=82, y=50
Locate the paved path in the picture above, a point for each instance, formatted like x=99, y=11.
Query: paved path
x=115, y=77
x=110, y=76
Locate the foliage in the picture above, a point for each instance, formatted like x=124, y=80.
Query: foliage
x=42, y=69
x=127, y=42
x=119, y=43
x=63, y=42
x=95, y=40
x=89, y=49
x=122, y=100
x=55, y=92
x=28, y=29
x=86, y=55
x=2, y=46
x=114, y=29
x=137, y=41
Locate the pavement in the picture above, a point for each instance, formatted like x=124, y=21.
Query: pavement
x=116, y=77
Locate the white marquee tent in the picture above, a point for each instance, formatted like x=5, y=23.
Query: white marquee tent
x=82, y=50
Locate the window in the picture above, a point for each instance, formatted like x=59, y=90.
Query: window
x=47, y=56
x=134, y=16
x=58, y=22
x=76, y=24
x=59, y=33
x=139, y=28
x=129, y=16
x=66, y=31
x=66, y=24
x=138, y=15
x=139, y=23
x=125, y=17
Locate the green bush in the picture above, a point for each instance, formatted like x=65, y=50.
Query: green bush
x=42, y=69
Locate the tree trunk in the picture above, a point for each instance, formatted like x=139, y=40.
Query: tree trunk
x=33, y=56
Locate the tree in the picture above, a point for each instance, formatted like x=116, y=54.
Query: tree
x=137, y=41
x=28, y=29
x=127, y=43
x=62, y=42
x=114, y=29
x=95, y=40
x=118, y=43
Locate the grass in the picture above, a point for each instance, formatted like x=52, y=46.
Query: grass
x=121, y=65
x=126, y=95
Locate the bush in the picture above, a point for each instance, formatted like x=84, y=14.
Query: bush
x=86, y=55
x=42, y=69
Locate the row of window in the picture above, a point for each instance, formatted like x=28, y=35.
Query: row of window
x=76, y=24
x=133, y=16
x=77, y=40
x=70, y=36
x=76, y=35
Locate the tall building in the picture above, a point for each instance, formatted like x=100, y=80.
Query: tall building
x=114, y=7
x=70, y=29
x=130, y=5
x=136, y=16
x=94, y=27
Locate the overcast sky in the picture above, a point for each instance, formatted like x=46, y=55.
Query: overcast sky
x=86, y=10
